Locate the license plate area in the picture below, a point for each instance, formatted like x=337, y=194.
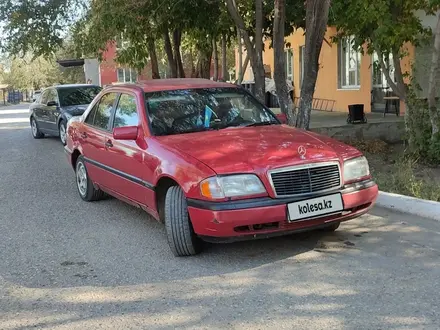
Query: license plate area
x=315, y=207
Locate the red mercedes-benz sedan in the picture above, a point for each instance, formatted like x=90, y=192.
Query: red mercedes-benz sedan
x=214, y=164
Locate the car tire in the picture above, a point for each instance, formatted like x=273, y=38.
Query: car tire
x=62, y=131
x=333, y=227
x=86, y=189
x=180, y=233
x=36, y=133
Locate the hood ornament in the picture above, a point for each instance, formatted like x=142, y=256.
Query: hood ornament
x=302, y=152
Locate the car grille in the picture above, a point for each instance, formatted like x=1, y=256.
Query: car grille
x=317, y=178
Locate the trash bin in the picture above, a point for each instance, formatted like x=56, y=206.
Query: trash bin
x=356, y=114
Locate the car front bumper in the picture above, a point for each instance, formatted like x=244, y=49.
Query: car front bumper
x=266, y=217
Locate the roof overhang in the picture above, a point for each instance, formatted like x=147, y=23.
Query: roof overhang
x=71, y=63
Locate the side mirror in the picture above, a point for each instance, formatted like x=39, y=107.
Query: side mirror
x=125, y=133
x=51, y=104
x=282, y=118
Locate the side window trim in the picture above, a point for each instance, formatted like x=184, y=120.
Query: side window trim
x=92, y=112
x=112, y=115
x=98, y=102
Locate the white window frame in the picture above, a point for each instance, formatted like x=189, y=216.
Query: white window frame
x=289, y=65
x=346, y=53
x=123, y=43
x=127, y=72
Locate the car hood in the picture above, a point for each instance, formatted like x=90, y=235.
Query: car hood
x=257, y=149
x=75, y=110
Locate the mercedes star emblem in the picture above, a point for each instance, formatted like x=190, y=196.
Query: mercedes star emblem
x=302, y=151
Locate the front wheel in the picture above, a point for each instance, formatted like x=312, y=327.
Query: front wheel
x=63, y=132
x=180, y=233
x=332, y=227
x=85, y=186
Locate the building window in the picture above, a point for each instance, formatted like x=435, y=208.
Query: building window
x=289, y=64
x=349, y=64
x=127, y=75
x=121, y=43
x=301, y=65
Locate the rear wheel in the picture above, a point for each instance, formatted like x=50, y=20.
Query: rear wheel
x=85, y=186
x=62, y=131
x=36, y=133
x=331, y=227
x=180, y=233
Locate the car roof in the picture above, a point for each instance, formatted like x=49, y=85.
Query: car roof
x=72, y=85
x=156, y=85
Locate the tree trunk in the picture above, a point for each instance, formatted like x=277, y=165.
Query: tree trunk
x=153, y=58
x=433, y=78
x=243, y=69
x=193, y=68
x=255, y=53
x=280, y=60
x=204, y=64
x=177, y=38
x=240, y=56
x=225, y=72
x=258, y=66
x=316, y=25
x=215, y=57
x=398, y=87
x=169, y=51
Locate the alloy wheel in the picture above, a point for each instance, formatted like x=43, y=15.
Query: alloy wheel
x=62, y=133
x=81, y=179
x=34, y=127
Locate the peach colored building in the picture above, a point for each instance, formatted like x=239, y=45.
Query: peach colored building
x=345, y=76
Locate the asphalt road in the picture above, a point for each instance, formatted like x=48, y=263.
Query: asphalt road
x=67, y=264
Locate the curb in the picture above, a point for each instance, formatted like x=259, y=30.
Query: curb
x=409, y=205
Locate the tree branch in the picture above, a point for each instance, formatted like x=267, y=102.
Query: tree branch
x=240, y=25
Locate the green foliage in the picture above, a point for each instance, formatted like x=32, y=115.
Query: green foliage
x=419, y=130
x=37, y=27
x=30, y=72
x=383, y=25
x=402, y=178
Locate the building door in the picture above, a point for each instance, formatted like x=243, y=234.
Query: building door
x=380, y=86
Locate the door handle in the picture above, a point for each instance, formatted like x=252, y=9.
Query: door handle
x=84, y=135
x=108, y=144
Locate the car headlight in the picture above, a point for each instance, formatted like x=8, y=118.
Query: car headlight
x=231, y=186
x=355, y=169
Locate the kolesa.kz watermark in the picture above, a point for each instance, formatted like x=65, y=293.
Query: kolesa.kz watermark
x=324, y=205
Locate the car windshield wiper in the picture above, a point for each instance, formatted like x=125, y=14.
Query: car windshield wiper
x=195, y=130
x=263, y=123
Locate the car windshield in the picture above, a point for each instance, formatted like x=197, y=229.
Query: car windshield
x=195, y=110
x=77, y=95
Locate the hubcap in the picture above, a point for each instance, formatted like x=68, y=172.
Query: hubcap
x=62, y=133
x=81, y=179
x=34, y=127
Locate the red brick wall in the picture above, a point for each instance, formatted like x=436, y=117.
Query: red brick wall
x=109, y=73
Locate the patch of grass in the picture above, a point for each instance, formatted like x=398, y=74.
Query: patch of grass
x=403, y=179
x=397, y=172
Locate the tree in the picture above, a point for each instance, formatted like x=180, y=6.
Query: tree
x=316, y=24
x=255, y=50
x=433, y=82
x=36, y=27
x=384, y=27
x=279, y=60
